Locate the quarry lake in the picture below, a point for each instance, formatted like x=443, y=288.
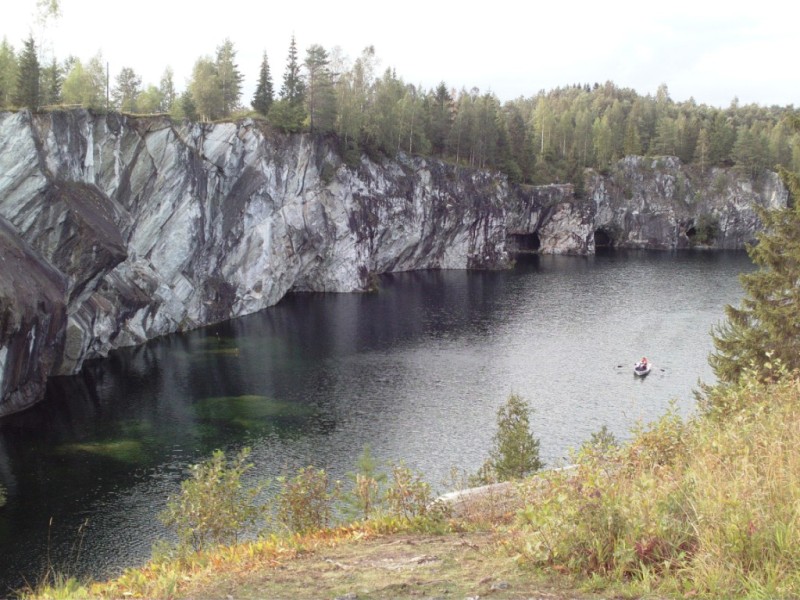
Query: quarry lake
x=416, y=371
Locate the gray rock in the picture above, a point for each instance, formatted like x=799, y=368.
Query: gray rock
x=150, y=227
x=500, y=585
x=656, y=202
x=32, y=320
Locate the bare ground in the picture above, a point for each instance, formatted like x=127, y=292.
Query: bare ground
x=452, y=566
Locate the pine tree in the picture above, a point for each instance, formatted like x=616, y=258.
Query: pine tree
x=262, y=99
x=27, y=93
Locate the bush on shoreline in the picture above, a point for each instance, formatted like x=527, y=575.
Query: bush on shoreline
x=705, y=507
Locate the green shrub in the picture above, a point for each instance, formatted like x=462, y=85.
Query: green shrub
x=408, y=495
x=601, y=443
x=2, y=496
x=364, y=498
x=214, y=506
x=620, y=515
x=706, y=229
x=515, y=453
x=327, y=173
x=305, y=501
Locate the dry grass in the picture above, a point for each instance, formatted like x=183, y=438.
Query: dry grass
x=708, y=508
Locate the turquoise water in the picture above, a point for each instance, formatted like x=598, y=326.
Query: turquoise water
x=416, y=370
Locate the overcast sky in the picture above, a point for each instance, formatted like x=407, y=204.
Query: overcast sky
x=710, y=51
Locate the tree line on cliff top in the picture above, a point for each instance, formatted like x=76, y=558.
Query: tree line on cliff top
x=548, y=137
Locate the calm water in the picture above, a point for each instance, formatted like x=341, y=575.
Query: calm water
x=416, y=371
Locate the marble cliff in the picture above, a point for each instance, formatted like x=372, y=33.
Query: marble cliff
x=115, y=230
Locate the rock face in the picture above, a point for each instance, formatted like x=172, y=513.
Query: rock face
x=32, y=320
x=115, y=230
x=658, y=203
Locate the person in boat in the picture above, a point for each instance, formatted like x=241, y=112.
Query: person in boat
x=642, y=364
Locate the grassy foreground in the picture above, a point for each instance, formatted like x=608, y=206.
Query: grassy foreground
x=705, y=508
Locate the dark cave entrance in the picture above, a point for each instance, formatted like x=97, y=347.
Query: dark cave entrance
x=524, y=243
x=603, y=239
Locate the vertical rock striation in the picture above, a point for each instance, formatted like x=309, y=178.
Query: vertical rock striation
x=115, y=230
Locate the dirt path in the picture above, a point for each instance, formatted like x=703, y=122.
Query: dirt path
x=456, y=566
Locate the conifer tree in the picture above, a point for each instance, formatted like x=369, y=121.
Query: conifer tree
x=765, y=330
x=320, y=98
x=288, y=113
x=515, y=453
x=440, y=118
x=293, y=89
x=188, y=109
x=27, y=93
x=229, y=78
x=50, y=84
x=264, y=95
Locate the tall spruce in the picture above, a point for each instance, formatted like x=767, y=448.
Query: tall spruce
x=27, y=93
x=440, y=118
x=288, y=113
x=765, y=330
x=229, y=78
x=264, y=95
x=293, y=89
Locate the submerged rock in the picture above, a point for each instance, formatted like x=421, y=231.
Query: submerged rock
x=138, y=227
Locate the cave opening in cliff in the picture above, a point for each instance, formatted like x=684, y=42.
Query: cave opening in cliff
x=524, y=242
x=603, y=239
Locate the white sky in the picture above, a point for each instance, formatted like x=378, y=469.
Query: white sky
x=711, y=51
